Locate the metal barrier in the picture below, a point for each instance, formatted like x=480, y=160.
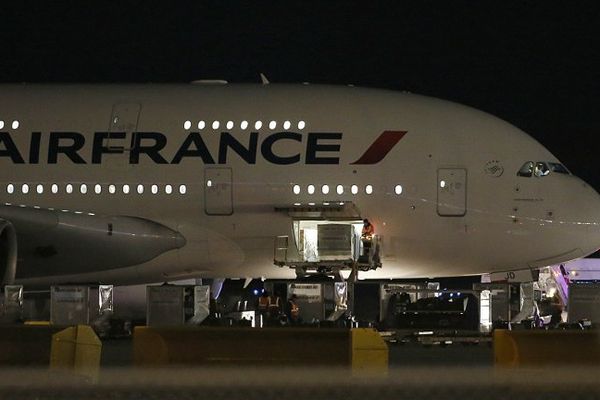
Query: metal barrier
x=361, y=349
x=538, y=348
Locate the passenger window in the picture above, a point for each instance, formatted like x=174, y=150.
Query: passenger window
x=559, y=168
x=526, y=170
x=541, y=169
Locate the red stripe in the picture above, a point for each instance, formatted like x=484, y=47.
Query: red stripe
x=380, y=147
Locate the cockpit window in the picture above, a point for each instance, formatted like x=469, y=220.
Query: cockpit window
x=541, y=169
x=526, y=170
x=558, y=168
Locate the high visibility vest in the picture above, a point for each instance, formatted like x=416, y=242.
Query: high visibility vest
x=263, y=303
x=273, y=302
x=367, y=232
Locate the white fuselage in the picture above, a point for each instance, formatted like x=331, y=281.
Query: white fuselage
x=489, y=219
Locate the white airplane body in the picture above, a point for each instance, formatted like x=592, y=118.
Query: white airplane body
x=144, y=183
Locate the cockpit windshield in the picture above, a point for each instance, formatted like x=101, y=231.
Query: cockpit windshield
x=539, y=169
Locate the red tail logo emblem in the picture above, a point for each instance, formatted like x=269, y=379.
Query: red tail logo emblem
x=380, y=147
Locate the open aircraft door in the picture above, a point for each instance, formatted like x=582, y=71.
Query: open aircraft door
x=218, y=191
x=452, y=192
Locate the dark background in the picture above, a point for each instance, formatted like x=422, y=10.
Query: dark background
x=535, y=65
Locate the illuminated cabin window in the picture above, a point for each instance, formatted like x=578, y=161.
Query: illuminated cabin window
x=168, y=189
x=15, y=124
x=83, y=188
x=126, y=189
x=25, y=188
x=325, y=189
x=287, y=125
x=182, y=189
x=296, y=189
x=339, y=189
x=244, y=125
x=354, y=189
x=311, y=189
x=10, y=188
x=257, y=125
x=229, y=124
x=69, y=188
x=1, y=124
x=398, y=189
x=187, y=125
x=40, y=189
x=201, y=125
x=98, y=188
x=215, y=125
x=369, y=189
x=301, y=125
x=154, y=189
x=140, y=189
x=54, y=188
x=112, y=189
x=272, y=125
x=311, y=204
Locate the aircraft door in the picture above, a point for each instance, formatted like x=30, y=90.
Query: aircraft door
x=218, y=191
x=124, y=119
x=452, y=192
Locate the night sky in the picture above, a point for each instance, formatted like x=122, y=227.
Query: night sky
x=535, y=66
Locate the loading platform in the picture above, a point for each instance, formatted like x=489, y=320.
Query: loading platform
x=326, y=239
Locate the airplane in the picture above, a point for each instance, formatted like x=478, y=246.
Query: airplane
x=140, y=183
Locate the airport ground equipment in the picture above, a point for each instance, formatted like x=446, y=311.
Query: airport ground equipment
x=12, y=308
x=546, y=348
x=422, y=306
x=173, y=305
x=320, y=301
x=325, y=239
x=77, y=349
x=584, y=301
x=80, y=304
x=359, y=349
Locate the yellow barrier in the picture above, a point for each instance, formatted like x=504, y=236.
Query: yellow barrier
x=362, y=349
x=536, y=348
x=77, y=349
x=369, y=351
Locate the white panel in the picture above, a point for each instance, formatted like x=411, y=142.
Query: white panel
x=218, y=196
x=452, y=192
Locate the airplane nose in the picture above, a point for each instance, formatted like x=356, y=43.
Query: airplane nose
x=587, y=209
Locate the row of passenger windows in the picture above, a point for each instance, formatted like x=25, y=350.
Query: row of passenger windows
x=97, y=188
x=15, y=124
x=541, y=168
x=187, y=125
x=368, y=189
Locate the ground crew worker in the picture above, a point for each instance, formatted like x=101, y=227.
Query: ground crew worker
x=274, y=309
x=263, y=307
x=366, y=236
x=292, y=310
